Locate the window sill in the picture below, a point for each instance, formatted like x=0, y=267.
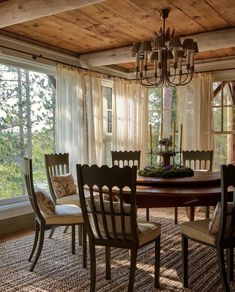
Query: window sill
x=15, y=209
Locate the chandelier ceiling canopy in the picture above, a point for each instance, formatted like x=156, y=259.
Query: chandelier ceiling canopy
x=164, y=61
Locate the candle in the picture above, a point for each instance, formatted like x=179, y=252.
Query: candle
x=151, y=137
x=173, y=142
x=161, y=130
x=181, y=136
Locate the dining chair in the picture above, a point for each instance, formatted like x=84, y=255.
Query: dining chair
x=112, y=223
x=219, y=232
x=199, y=161
x=47, y=213
x=130, y=158
x=57, y=164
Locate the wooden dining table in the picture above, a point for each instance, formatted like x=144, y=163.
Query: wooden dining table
x=202, y=189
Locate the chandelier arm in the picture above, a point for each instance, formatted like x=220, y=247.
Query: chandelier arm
x=149, y=83
x=146, y=85
x=187, y=79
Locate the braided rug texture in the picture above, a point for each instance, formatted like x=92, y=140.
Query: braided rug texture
x=58, y=270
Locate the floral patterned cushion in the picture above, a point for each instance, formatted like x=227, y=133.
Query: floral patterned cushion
x=63, y=185
x=45, y=203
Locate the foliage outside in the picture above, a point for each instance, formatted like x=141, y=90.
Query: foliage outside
x=27, y=107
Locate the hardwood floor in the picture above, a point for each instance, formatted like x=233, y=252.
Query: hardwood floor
x=17, y=235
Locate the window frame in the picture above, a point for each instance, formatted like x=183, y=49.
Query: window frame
x=20, y=205
x=107, y=136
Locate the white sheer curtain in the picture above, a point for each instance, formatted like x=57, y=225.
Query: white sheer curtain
x=78, y=115
x=194, y=112
x=130, y=117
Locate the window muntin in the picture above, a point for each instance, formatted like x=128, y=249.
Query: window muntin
x=107, y=94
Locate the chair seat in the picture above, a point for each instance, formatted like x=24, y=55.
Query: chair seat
x=72, y=199
x=64, y=214
x=148, y=231
x=199, y=231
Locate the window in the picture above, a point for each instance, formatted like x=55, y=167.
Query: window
x=223, y=125
x=162, y=111
x=107, y=93
x=27, y=126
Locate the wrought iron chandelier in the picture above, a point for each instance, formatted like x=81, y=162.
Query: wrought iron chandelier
x=165, y=61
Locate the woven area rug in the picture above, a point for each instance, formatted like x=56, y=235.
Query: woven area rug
x=59, y=270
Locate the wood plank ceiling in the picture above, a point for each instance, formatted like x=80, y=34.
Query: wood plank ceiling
x=113, y=24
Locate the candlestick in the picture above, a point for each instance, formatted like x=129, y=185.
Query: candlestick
x=181, y=136
x=151, y=143
x=151, y=136
x=161, y=130
x=173, y=142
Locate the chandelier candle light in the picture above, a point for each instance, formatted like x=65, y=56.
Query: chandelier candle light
x=164, y=61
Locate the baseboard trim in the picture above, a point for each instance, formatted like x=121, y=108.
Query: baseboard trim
x=15, y=224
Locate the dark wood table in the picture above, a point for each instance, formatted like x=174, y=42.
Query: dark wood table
x=202, y=189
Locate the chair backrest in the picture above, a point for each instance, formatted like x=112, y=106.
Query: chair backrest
x=227, y=180
x=129, y=158
x=56, y=164
x=108, y=220
x=28, y=176
x=198, y=160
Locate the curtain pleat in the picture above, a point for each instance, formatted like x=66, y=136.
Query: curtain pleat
x=130, y=117
x=194, y=112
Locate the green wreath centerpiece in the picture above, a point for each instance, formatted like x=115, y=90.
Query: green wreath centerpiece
x=170, y=171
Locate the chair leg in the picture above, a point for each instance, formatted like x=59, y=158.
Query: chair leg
x=66, y=229
x=132, y=269
x=176, y=215
x=80, y=230
x=92, y=265
x=185, y=261
x=73, y=239
x=40, y=245
x=147, y=214
x=107, y=260
x=220, y=254
x=84, y=248
x=207, y=212
x=157, y=262
x=37, y=227
x=52, y=232
x=191, y=213
x=230, y=261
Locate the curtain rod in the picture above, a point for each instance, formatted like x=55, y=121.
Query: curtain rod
x=35, y=56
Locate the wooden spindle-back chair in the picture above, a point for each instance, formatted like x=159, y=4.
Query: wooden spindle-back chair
x=224, y=239
x=64, y=216
x=113, y=223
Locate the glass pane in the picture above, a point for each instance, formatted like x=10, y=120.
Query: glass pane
x=107, y=94
x=217, y=93
x=227, y=93
x=228, y=119
x=109, y=122
x=27, y=103
x=217, y=119
x=223, y=150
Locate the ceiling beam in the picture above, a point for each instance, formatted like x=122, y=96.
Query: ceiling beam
x=207, y=41
x=18, y=11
